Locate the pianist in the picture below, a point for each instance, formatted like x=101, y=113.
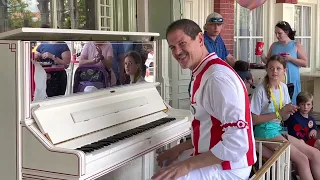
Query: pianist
x=222, y=143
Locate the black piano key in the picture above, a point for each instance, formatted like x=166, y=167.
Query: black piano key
x=123, y=135
x=86, y=146
x=113, y=140
x=96, y=146
x=105, y=141
x=86, y=150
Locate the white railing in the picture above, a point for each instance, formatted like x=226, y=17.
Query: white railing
x=275, y=168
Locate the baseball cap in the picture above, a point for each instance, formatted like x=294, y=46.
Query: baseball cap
x=214, y=18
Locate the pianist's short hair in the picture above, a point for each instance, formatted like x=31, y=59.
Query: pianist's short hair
x=188, y=26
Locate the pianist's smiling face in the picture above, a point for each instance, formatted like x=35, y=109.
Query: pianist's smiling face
x=184, y=49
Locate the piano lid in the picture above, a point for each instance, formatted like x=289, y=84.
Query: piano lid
x=50, y=34
x=70, y=117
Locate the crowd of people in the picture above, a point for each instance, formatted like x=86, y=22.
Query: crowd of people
x=226, y=118
x=118, y=63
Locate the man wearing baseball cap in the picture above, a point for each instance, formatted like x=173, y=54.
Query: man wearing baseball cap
x=213, y=40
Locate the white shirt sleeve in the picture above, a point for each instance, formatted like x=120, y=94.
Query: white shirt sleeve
x=286, y=95
x=222, y=100
x=257, y=100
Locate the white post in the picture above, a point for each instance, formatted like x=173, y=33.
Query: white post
x=142, y=16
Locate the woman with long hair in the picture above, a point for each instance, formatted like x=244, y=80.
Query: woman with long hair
x=293, y=53
x=133, y=67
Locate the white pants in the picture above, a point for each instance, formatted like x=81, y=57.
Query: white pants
x=214, y=172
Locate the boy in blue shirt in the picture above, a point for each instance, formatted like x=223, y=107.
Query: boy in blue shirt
x=301, y=125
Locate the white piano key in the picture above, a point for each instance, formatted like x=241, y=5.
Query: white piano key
x=115, y=147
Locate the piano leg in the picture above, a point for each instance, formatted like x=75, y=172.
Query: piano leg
x=148, y=165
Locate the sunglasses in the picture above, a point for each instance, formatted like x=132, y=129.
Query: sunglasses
x=282, y=23
x=216, y=20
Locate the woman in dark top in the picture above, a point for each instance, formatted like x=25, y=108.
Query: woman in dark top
x=57, y=53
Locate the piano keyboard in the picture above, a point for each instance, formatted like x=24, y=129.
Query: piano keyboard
x=123, y=135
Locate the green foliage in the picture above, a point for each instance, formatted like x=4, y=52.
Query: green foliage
x=82, y=14
x=19, y=15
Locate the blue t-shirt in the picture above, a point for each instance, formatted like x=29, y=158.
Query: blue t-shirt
x=54, y=48
x=299, y=126
x=216, y=46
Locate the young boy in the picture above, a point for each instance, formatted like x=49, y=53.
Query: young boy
x=301, y=125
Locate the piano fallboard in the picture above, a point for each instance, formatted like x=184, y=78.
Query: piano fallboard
x=93, y=112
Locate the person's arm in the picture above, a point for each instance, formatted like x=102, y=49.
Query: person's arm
x=265, y=58
x=256, y=107
x=169, y=156
x=108, y=58
x=302, y=59
x=231, y=60
x=184, y=146
x=37, y=54
x=203, y=160
x=107, y=62
x=66, y=56
x=259, y=119
x=83, y=60
x=223, y=101
x=287, y=101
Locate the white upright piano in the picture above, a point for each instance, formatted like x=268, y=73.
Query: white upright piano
x=79, y=136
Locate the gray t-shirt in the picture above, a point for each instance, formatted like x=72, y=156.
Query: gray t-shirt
x=260, y=104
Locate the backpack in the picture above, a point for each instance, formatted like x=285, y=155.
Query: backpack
x=90, y=76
